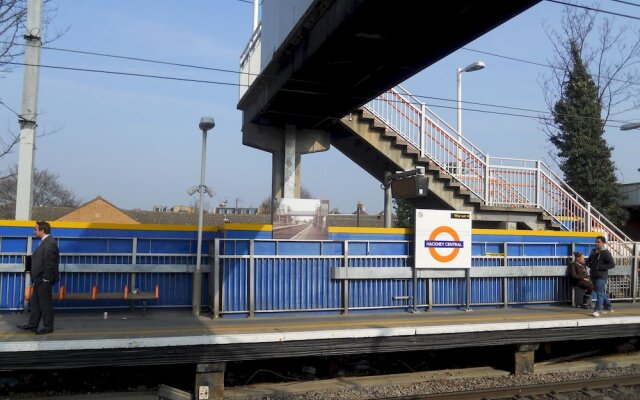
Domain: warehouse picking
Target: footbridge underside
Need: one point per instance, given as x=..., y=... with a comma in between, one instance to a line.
x=341, y=54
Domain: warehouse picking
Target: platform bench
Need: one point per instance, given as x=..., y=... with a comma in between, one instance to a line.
x=94, y=294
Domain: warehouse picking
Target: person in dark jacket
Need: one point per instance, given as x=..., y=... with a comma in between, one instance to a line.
x=600, y=261
x=45, y=261
x=580, y=278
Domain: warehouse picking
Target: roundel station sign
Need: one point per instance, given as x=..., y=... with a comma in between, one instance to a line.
x=443, y=239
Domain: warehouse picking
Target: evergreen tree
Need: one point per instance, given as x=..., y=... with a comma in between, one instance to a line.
x=585, y=156
x=405, y=212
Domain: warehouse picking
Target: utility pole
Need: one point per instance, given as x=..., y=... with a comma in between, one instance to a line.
x=27, y=119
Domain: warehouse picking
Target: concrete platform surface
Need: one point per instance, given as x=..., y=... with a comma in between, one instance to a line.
x=127, y=328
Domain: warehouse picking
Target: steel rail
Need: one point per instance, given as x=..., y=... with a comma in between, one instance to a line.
x=529, y=390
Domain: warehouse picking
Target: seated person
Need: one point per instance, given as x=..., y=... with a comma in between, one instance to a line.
x=580, y=277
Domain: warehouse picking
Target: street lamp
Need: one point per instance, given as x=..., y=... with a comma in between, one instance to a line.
x=206, y=123
x=630, y=126
x=476, y=66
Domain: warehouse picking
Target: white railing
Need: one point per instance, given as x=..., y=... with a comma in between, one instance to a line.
x=502, y=182
x=250, y=61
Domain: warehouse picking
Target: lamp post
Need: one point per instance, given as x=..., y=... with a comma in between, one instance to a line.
x=476, y=66
x=630, y=126
x=206, y=123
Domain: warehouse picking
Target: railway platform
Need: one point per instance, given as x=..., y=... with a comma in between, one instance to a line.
x=178, y=337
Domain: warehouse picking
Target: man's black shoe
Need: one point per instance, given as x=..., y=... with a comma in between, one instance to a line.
x=26, y=327
x=43, y=331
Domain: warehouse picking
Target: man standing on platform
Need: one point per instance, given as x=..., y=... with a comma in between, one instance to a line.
x=44, y=273
x=600, y=261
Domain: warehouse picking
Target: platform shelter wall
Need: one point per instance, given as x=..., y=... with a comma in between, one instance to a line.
x=355, y=270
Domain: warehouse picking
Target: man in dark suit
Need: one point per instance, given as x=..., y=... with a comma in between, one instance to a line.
x=44, y=273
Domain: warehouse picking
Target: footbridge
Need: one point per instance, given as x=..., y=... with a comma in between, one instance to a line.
x=331, y=80
x=311, y=62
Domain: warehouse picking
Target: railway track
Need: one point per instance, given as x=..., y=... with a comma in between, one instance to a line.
x=590, y=387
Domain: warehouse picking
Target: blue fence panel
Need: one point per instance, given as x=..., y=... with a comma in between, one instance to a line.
x=13, y=244
x=238, y=247
x=486, y=290
x=378, y=293
x=538, y=289
x=296, y=284
x=175, y=288
x=449, y=291
x=235, y=285
x=12, y=290
x=11, y=259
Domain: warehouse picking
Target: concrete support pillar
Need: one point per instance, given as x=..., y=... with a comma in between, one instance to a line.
x=387, y=201
x=289, y=165
x=277, y=176
x=278, y=173
x=511, y=225
x=209, y=381
x=524, y=358
x=287, y=147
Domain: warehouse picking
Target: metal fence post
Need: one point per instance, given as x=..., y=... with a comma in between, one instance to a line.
x=214, y=277
x=415, y=288
x=571, y=292
x=467, y=276
x=505, y=280
x=430, y=296
x=27, y=279
x=345, y=282
x=487, y=180
x=538, y=183
x=134, y=261
x=423, y=140
x=252, y=283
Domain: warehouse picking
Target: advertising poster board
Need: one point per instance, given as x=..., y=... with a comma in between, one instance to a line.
x=300, y=219
x=443, y=239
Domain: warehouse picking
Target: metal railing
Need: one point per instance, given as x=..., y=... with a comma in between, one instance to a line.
x=113, y=263
x=497, y=181
x=362, y=275
x=250, y=276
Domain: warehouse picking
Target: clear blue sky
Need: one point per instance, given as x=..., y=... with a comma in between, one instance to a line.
x=135, y=141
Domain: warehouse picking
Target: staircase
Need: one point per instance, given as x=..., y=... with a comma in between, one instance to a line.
x=397, y=132
x=375, y=147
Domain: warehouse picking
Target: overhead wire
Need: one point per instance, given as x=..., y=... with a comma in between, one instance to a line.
x=139, y=59
x=172, y=78
x=235, y=72
x=594, y=9
x=103, y=71
x=9, y=108
x=626, y=2
x=543, y=65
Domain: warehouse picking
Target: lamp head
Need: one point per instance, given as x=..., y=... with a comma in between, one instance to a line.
x=474, y=67
x=207, y=123
x=630, y=126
